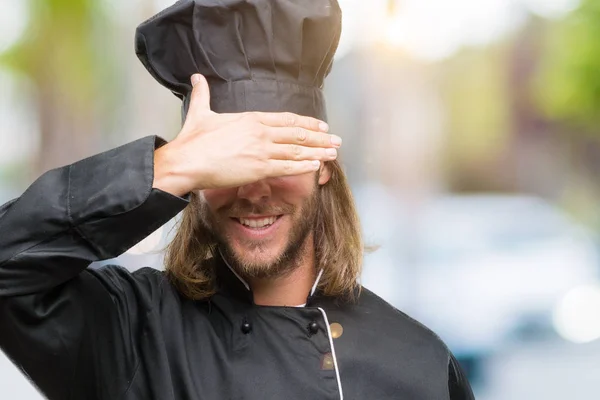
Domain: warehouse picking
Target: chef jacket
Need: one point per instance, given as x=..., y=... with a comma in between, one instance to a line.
x=110, y=334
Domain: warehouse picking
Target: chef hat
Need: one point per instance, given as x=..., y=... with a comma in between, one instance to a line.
x=257, y=55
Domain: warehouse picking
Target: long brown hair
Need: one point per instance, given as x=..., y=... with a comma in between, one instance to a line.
x=337, y=238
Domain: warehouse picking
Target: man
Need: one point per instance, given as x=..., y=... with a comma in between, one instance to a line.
x=260, y=298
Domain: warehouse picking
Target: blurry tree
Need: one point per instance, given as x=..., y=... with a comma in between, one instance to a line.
x=59, y=53
x=568, y=88
x=475, y=87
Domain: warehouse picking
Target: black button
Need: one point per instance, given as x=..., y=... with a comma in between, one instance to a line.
x=313, y=328
x=246, y=327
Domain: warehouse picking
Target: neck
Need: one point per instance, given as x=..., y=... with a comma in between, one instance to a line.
x=293, y=288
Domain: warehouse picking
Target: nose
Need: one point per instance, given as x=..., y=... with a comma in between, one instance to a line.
x=255, y=192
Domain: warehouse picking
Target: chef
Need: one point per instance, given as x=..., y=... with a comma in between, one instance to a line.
x=259, y=297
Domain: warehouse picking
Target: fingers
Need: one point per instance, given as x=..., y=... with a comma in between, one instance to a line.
x=296, y=152
x=200, y=99
x=292, y=120
x=278, y=168
x=302, y=136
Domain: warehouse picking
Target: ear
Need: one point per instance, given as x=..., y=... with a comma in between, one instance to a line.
x=324, y=173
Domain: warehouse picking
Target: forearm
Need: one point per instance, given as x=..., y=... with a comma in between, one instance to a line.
x=94, y=209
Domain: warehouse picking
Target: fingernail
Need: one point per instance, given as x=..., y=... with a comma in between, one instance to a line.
x=331, y=152
x=336, y=140
x=324, y=126
x=316, y=164
x=195, y=79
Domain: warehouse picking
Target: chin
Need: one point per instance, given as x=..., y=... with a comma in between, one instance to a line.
x=257, y=258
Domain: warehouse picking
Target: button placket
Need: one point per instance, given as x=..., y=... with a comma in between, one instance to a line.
x=335, y=364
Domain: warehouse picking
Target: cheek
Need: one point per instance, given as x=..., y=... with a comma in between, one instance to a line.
x=294, y=187
x=217, y=198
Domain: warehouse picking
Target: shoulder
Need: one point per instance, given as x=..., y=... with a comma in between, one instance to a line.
x=399, y=326
x=383, y=309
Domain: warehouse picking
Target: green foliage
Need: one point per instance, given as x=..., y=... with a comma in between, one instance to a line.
x=568, y=86
x=474, y=87
x=58, y=47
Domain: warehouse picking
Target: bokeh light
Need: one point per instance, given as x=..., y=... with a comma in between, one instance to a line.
x=13, y=22
x=577, y=315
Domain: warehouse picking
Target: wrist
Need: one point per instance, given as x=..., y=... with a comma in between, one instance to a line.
x=168, y=174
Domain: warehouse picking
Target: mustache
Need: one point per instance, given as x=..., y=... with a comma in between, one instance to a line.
x=246, y=208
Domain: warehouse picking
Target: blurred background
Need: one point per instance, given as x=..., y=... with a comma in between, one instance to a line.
x=471, y=139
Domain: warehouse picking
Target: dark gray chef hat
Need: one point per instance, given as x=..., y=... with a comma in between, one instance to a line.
x=257, y=55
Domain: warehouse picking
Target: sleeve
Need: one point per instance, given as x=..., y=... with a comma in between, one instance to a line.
x=67, y=327
x=458, y=385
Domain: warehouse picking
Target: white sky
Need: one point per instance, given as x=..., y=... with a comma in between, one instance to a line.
x=427, y=29
x=435, y=29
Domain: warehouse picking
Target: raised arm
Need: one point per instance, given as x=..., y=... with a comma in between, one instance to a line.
x=92, y=210
x=57, y=319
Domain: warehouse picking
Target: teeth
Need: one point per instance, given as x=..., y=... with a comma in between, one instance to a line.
x=258, y=223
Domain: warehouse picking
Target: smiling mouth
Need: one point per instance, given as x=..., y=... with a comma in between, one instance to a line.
x=258, y=223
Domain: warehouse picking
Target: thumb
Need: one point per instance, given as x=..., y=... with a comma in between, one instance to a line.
x=200, y=99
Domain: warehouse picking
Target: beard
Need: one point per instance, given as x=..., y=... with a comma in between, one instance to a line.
x=255, y=261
